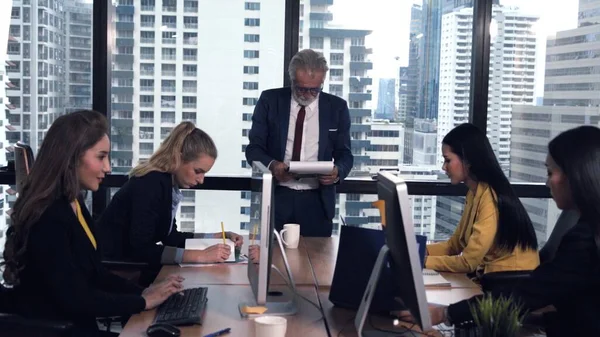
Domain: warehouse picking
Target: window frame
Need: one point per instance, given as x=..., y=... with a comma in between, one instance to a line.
x=103, y=32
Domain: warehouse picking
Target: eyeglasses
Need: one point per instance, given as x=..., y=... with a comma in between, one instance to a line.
x=313, y=91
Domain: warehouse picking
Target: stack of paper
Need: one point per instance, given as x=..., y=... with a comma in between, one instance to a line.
x=432, y=278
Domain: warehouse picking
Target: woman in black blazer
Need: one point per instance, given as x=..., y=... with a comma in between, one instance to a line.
x=571, y=280
x=50, y=257
x=142, y=213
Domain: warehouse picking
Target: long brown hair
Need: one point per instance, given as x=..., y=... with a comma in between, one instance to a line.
x=185, y=143
x=52, y=177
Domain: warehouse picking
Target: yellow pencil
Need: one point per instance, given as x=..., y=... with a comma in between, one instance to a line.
x=223, y=231
x=253, y=234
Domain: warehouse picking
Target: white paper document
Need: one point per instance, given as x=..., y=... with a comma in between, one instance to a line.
x=311, y=167
x=432, y=278
x=205, y=243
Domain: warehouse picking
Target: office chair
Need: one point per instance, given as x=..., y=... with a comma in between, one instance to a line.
x=14, y=325
x=501, y=282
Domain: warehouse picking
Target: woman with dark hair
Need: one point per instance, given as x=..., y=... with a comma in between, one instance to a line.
x=571, y=280
x=494, y=232
x=50, y=256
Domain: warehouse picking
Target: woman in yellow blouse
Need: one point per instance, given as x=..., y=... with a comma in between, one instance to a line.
x=494, y=232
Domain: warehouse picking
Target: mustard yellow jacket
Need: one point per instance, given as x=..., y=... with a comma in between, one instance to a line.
x=472, y=244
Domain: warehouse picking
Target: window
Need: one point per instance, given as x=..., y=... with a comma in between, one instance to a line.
x=251, y=38
x=316, y=42
x=252, y=22
x=250, y=70
x=249, y=101
x=336, y=59
x=252, y=6
x=251, y=54
x=250, y=85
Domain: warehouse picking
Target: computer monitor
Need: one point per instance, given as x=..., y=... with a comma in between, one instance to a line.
x=401, y=252
x=261, y=229
x=261, y=239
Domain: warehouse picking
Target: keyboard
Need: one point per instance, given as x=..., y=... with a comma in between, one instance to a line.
x=183, y=310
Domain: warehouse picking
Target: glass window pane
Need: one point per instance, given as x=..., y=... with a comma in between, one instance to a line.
x=181, y=71
x=546, y=67
x=404, y=95
x=45, y=75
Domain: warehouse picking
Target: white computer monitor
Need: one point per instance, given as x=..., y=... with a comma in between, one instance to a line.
x=401, y=252
x=261, y=230
x=261, y=237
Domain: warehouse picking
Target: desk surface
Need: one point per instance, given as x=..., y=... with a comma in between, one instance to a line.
x=222, y=312
x=228, y=286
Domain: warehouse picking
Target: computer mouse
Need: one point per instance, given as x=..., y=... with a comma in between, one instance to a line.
x=163, y=330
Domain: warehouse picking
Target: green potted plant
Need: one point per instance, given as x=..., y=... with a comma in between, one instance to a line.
x=495, y=317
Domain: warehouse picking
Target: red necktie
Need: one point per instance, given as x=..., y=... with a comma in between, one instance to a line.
x=298, y=134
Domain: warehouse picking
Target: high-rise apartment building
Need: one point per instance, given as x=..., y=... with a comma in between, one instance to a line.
x=512, y=73
x=5, y=14
x=571, y=99
x=511, y=82
x=170, y=66
x=348, y=77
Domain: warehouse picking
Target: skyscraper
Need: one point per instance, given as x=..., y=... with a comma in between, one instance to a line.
x=170, y=65
x=386, y=99
x=571, y=99
x=511, y=82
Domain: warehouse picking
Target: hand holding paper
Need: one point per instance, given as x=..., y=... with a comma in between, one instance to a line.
x=329, y=179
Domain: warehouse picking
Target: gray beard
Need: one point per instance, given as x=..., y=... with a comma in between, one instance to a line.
x=301, y=100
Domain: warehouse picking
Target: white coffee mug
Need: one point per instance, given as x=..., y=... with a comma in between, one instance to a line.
x=270, y=326
x=290, y=235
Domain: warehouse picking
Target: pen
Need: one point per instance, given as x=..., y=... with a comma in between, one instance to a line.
x=223, y=231
x=219, y=333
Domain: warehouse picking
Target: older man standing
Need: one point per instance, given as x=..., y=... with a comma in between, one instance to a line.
x=302, y=123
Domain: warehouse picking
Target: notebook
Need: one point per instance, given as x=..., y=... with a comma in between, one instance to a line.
x=432, y=278
x=205, y=243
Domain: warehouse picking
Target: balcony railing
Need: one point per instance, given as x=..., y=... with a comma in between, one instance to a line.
x=190, y=57
x=190, y=25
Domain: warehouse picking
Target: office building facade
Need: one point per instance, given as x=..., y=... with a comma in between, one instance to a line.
x=571, y=98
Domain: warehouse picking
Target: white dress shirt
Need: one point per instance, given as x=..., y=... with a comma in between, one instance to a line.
x=310, y=142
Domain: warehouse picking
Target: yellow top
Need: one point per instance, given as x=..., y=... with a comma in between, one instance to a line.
x=84, y=224
x=472, y=244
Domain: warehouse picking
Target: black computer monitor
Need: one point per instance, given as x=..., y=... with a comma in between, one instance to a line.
x=402, y=254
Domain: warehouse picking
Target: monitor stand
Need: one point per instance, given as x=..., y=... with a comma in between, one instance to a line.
x=365, y=304
x=274, y=307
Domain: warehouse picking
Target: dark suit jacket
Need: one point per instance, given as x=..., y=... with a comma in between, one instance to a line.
x=63, y=277
x=138, y=217
x=570, y=282
x=270, y=123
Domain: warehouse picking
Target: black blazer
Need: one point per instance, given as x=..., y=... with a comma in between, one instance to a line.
x=570, y=282
x=270, y=124
x=63, y=277
x=138, y=217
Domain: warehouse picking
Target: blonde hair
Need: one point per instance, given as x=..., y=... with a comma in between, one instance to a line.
x=185, y=143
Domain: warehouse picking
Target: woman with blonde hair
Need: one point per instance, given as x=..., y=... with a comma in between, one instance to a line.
x=142, y=213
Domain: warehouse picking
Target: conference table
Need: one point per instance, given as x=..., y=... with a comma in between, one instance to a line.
x=312, y=266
